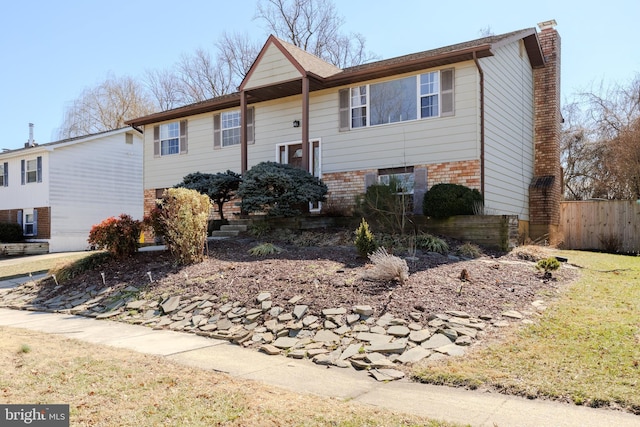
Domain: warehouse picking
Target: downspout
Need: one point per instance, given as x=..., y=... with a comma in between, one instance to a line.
x=481, y=73
x=243, y=133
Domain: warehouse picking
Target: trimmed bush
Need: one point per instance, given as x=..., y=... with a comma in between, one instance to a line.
x=220, y=187
x=10, y=233
x=445, y=200
x=279, y=190
x=118, y=236
x=184, y=214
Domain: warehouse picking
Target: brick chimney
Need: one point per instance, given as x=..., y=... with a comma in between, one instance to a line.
x=545, y=190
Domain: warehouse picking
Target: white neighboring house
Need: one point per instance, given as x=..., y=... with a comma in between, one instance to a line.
x=59, y=190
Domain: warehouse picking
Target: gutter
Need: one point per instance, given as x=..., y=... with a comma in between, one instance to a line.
x=481, y=73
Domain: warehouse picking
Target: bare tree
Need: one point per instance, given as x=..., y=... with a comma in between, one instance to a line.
x=164, y=87
x=614, y=114
x=238, y=52
x=105, y=107
x=314, y=26
x=202, y=77
x=601, y=143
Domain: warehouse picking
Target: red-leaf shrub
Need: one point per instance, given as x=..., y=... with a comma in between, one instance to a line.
x=119, y=236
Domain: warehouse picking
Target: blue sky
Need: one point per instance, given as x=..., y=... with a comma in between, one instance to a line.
x=51, y=51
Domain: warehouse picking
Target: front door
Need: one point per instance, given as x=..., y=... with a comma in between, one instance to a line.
x=292, y=154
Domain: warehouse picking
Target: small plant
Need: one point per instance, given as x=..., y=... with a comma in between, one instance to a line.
x=365, y=242
x=610, y=243
x=259, y=228
x=429, y=243
x=25, y=348
x=548, y=265
x=265, y=249
x=469, y=250
x=387, y=267
x=119, y=236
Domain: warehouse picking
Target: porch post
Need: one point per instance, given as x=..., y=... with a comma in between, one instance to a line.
x=305, y=123
x=243, y=132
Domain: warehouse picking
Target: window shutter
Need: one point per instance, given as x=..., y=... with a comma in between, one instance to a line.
x=369, y=180
x=419, y=189
x=22, y=163
x=39, y=172
x=216, y=132
x=446, y=85
x=19, y=217
x=156, y=141
x=250, y=127
x=344, y=110
x=35, y=222
x=183, y=137
x=6, y=174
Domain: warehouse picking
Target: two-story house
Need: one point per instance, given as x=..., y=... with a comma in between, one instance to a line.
x=57, y=191
x=483, y=113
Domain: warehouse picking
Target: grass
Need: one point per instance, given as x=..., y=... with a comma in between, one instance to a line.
x=37, y=264
x=106, y=386
x=585, y=348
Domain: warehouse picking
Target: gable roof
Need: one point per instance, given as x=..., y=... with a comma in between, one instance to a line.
x=323, y=75
x=50, y=146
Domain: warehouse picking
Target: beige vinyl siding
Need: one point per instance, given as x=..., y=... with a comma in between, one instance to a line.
x=273, y=67
x=508, y=131
x=167, y=171
x=422, y=141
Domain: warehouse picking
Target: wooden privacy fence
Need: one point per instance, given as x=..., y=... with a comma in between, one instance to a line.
x=611, y=225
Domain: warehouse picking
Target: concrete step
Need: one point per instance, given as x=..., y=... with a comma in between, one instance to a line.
x=234, y=227
x=225, y=233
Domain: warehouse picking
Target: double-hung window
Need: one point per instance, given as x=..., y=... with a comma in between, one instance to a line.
x=230, y=127
x=4, y=174
x=28, y=224
x=409, y=98
x=227, y=129
x=31, y=170
x=358, y=106
x=170, y=138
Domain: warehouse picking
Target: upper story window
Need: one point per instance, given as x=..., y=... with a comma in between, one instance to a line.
x=170, y=138
x=226, y=128
x=230, y=127
x=358, y=106
x=409, y=98
x=31, y=170
x=4, y=174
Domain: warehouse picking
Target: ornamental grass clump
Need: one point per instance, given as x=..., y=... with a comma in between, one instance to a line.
x=387, y=267
x=118, y=236
x=265, y=249
x=429, y=243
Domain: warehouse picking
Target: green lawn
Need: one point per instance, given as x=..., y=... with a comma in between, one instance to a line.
x=585, y=348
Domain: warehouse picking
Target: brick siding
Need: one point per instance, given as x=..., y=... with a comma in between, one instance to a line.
x=545, y=192
x=44, y=221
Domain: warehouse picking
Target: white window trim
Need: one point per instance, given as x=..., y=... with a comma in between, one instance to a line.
x=418, y=101
x=311, y=158
x=168, y=138
x=223, y=128
x=26, y=212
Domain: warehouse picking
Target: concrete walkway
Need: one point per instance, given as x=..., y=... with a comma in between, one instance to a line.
x=451, y=404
